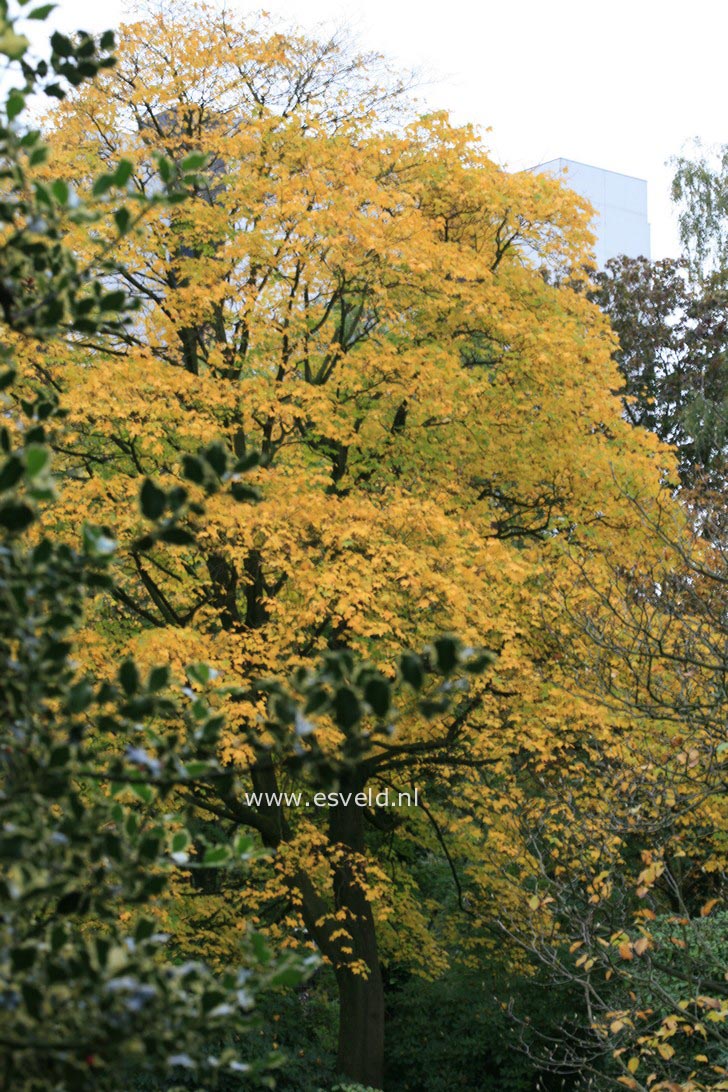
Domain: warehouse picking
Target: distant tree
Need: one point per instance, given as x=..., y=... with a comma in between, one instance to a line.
x=673, y=354
x=700, y=192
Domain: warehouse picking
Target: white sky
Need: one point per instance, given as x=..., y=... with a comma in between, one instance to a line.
x=621, y=84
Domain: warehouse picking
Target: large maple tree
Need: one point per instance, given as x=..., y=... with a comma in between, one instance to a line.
x=354, y=300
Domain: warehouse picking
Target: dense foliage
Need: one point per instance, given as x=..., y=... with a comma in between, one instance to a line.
x=320, y=383
x=673, y=344
x=93, y=993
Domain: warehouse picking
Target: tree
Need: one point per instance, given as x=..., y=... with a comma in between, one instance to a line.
x=350, y=311
x=672, y=353
x=700, y=193
x=631, y=876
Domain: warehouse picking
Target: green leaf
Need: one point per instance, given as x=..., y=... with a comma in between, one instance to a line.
x=145, y=928
x=149, y=845
x=316, y=700
x=479, y=661
x=113, y=301
x=347, y=710
x=23, y=958
x=180, y=841
x=165, y=168
x=14, y=103
x=446, y=653
x=215, y=856
x=260, y=948
x=122, y=218
x=412, y=669
x=216, y=456
x=177, y=536
x=80, y=697
x=58, y=937
x=243, y=492
x=61, y=45
x=193, y=770
x=433, y=707
x=201, y=673
x=287, y=976
x=41, y=12
x=378, y=695
x=11, y=473
x=60, y=191
x=176, y=497
x=123, y=172
x=16, y=517
x=39, y=155
x=102, y=185
x=152, y=500
x=193, y=469
x=129, y=677
x=13, y=45
x=158, y=678
x=247, y=462
x=243, y=845
x=59, y=756
x=194, y=162
x=143, y=792
x=32, y=996
x=36, y=459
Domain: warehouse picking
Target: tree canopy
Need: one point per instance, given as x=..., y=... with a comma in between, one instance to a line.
x=347, y=416
x=672, y=353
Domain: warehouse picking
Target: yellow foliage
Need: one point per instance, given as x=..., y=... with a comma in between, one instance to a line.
x=362, y=304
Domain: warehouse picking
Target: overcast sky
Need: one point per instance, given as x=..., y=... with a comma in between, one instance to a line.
x=621, y=84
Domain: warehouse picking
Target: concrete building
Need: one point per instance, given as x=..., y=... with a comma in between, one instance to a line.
x=621, y=225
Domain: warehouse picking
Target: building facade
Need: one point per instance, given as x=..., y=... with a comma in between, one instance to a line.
x=620, y=203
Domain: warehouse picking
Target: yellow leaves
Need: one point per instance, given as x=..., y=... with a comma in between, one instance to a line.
x=339, y=934
x=600, y=888
x=628, y=949
x=708, y=906
x=648, y=876
x=359, y=968
x=335, y=301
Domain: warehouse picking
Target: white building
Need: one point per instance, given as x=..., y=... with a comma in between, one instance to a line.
x=620, y=201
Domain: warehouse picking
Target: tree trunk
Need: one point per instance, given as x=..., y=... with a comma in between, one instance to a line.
x=361, y=999
x=361, y=996
x=361, y=1017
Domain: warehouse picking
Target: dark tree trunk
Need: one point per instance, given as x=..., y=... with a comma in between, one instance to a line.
x=361, y=999
x=188, y=337
x=361, y=1009
x=361, y=996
